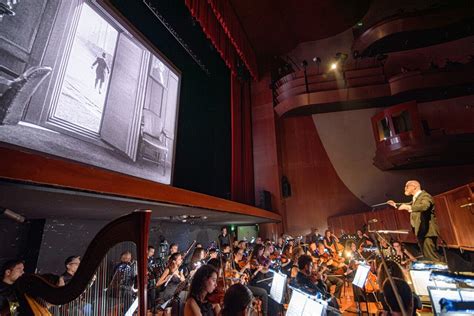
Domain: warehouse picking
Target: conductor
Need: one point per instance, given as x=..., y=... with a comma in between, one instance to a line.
x=422, y=218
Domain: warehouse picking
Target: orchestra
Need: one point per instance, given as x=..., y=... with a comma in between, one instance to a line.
x=204, y=282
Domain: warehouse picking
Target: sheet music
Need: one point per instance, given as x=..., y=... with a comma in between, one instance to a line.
x=278, y=287
x=361, y=275
x=313, y=308
x=297, y=303
x=132, y=308
x=421, y=281
x=467, y=295
x=437, y=294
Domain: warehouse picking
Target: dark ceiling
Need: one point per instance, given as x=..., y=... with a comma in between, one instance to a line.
x=274, y=27
x=33, y=201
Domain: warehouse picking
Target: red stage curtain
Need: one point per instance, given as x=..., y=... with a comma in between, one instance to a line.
x=222, y=27
x=242, y=181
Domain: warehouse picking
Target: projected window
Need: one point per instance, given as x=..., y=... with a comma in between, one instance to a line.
x=106, y=99
x=84, y=87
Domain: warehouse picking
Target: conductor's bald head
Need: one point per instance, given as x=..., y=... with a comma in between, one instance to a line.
x=411, y=187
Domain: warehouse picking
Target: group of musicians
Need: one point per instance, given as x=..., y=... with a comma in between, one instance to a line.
x=237, y=275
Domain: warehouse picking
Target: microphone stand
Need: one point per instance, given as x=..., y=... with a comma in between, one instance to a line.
x=389, y=276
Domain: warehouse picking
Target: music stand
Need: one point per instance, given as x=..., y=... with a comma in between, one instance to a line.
x=358, y=287
x=302, y=303
x=277, y=290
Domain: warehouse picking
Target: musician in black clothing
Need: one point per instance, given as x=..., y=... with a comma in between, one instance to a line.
x=224, y=237
x=151, y=291
x=71, y=264
x=303, y=278
x=11, y=271
x=125, y=275
x=304, y=282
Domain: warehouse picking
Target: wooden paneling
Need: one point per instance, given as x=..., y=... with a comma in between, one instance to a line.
x=22, y=165
x=265, y=150
x=317, y=190
x=462, y=217
x=455, y=223
x=444, y=221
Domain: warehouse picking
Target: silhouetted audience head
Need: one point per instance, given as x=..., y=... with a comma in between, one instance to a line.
x=304, y=261
x=394, y=269
x=405, y=293
x=237, y=301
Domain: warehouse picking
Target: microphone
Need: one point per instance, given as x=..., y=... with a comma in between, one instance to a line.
x=373, y=220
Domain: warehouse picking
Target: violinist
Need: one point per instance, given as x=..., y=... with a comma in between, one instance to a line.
x=242, y=268
x=197, y=260
x=204, y=282
x=353, y=253
x=297, y=253
x=242, y=245
x=306, y=281
x=259, y=265
x=170, y=279
x=385, y=247
x=312, y=250
x=279, y=245
x=401, y=255
x=226, y=252
x=212, y=254
x=334, y=264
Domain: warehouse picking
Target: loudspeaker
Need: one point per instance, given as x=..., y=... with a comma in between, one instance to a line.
x=285, y=187
x=266, y=200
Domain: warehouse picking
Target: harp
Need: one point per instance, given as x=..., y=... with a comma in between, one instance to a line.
x=133, y=227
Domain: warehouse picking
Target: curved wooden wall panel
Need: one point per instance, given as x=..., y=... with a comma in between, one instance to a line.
x=422, y=21
x=454, y=216
x=317, y=190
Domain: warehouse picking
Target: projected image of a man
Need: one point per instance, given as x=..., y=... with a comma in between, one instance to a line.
x=100, y=71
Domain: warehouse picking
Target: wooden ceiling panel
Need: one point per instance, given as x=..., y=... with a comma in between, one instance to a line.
x=274, y=27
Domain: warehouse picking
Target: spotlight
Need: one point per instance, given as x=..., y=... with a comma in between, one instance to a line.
x=12, y=215
x=317, y=60
x=333, y=66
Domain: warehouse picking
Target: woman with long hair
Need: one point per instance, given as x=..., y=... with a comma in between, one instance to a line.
x=237, y=301
x=170, y=279
x=204, y=282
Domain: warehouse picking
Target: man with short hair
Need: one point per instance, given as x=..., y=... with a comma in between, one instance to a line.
x=72, y=264
x=224, y=238
x=11, y=271
x=422, y=218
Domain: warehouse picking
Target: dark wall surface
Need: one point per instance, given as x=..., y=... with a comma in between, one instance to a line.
x=202, y=160
x=64, y=238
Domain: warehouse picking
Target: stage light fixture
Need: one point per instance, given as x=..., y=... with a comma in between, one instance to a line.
x=333, y=66
x=12, y=215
